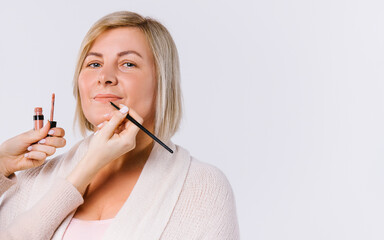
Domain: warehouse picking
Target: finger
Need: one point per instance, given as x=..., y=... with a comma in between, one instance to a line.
x=48, y=150
x=56, y=132
x=31, y=163
x=130, y=132
x=131, y=129
x=136, y=116
x=108, y=116
x=98, y=127
x=121, y=127
x=117, y=118
x=36, y=135
x=57, y=142
x=36, y=155
x=101, y=125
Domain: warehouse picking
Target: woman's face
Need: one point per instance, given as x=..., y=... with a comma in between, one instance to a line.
x=119, y=68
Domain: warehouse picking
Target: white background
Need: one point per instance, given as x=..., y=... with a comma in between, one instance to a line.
x=285, y=97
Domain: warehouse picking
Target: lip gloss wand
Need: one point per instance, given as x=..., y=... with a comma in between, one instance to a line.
x=51, y=122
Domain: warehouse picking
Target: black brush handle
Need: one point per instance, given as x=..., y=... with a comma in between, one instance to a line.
x=144, y=129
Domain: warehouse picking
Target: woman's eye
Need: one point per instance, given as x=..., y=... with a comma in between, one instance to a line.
x=94, y=65
x=128, y=64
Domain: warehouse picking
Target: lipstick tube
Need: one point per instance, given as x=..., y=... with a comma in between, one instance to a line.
x=38, y=118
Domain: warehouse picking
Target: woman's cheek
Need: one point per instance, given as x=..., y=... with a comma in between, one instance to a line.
x=84, y=89
x=83, y=80
x=145, y=104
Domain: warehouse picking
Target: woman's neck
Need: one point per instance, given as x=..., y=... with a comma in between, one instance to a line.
x=136, y=158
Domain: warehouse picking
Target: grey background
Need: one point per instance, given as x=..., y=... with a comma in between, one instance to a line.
x=285, y=97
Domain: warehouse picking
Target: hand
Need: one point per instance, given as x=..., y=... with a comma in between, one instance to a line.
x=20, y=152
x=112, y=139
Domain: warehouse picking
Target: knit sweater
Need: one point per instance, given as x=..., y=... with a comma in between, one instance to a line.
x=175, y=197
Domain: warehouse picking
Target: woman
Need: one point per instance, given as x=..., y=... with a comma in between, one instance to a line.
x=117, y=183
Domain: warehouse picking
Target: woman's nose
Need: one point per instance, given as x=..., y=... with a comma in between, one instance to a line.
x=107, y=76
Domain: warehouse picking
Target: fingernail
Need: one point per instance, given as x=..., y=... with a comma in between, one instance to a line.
x=106, y=115
x=124, y=110
x=51, y=132
x=26, y=155
x=101, y=124
x=96, y=132
x=29, y=148
x=42, y=141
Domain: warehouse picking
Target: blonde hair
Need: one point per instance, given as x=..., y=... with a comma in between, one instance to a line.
x=168, y=94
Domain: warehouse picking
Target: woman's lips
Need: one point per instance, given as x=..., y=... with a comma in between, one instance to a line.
x=106, y=98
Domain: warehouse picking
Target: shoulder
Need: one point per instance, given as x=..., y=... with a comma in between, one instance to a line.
x=206, y=206
x=202, y=176
x=208, y=185
x=207, y=175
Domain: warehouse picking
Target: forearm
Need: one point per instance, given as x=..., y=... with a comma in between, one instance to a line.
x=6, y=182
x=3, y=170
x=46, y=215
x=82, y=175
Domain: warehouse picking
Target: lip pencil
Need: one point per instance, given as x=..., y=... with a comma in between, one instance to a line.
x=144, y=129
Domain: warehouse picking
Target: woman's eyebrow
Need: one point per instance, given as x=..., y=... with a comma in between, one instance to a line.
x=94, y=54
x=129, y=52
x=119, y=54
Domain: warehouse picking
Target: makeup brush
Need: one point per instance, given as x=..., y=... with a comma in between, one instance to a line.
x=144, y=129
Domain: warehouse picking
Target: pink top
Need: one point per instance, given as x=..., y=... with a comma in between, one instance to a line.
x=84, y=229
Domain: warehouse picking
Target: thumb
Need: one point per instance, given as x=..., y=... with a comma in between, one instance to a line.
x=36, y=135
x=117, y=118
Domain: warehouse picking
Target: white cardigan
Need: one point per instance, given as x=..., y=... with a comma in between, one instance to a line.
x=175, y=197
